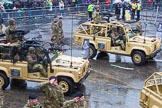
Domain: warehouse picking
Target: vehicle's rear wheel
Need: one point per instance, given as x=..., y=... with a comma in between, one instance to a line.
x=138, y=58
x=66, y=84
x=4, y=80
x=93, y=51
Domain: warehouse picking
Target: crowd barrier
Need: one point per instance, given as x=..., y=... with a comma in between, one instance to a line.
x=41, y=12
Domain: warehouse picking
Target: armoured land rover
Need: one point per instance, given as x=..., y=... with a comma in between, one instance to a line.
x=70, y=71
x=151, y=94
x=140, y=48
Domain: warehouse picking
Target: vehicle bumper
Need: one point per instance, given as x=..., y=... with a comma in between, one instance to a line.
x=85, y=77
x=155, y=52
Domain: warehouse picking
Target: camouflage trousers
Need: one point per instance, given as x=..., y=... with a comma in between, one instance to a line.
x=121, y=43
x=40, y=68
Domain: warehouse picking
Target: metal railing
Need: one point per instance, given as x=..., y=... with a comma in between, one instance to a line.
x=41, y=12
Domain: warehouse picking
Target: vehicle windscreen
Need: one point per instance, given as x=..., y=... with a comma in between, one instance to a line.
x=131, y=34
x=51, y=51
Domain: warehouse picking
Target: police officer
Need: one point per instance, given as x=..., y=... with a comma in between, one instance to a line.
x=11, y=38
x=133, y=9
x=33, y=102
x=96, y=15
x=138, y=10
x=90, y=10
x=53, y=93
x=139, y=27
x=1, y=97
x=78, y=101
x=33, y=62
x=55, y=31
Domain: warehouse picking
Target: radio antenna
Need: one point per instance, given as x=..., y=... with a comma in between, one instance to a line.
x=71, y=64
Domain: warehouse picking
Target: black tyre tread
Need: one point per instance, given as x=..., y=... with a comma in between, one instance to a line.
x=70, y=83
x=6, y=80
x=94, y=51
x=143, y=57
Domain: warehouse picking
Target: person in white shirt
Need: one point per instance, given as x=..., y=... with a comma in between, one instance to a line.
x=61, y=6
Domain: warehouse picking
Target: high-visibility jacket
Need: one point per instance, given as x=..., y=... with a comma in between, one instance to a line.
x=133, y=6
x=138, y=6
x=90, y=8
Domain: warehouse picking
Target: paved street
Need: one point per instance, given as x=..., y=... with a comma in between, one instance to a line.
x=108, y=86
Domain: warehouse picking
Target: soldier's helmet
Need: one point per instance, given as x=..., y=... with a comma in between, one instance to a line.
x=114, y=28
x=31, y=50
x=12, y=21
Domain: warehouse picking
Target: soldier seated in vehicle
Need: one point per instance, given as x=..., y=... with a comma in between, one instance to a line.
x=33, y=62
x=117, y=39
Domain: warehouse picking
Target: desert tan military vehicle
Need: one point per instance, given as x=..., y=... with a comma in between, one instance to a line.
x=151, y=94
x=70, y=71
x=140, y=48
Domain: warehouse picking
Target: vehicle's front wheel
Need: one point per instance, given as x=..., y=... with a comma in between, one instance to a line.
x=4, y=80
x=93, y=51
x=67, y=85
x=138, y=58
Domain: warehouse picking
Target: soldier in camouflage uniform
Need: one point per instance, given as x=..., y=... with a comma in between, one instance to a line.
x=77, y=102
x=139, y=27
x=96, y=15
x=1, y=97
x=116, y=40
x=33, y=62
x=11, y=38
x=61, y=33
x=33, y=102
x=53, y=93
x=55, y=31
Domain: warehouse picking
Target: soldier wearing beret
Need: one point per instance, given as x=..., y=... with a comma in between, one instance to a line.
x=33, y=102
x=77, y=102
x=53, y=93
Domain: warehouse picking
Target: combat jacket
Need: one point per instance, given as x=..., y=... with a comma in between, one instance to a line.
x=83, y=104
x=1, y=98
x=54, y=95
x=11, y=37
x=70, y=104
x=31, y=106
x=97, y=17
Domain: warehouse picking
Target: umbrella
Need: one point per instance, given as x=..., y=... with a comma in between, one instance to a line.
x=8, y=2
x=116, y=1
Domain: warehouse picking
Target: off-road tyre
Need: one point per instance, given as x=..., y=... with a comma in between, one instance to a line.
x=67, y=85
x=93, y=51
x=138, y=58
x=4, y=80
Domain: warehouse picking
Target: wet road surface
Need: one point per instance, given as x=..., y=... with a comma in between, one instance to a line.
x=108, y=86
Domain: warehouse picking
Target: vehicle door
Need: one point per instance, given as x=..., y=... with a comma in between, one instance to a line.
x=102, y=41
x=11, y=59
x=38, y=68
